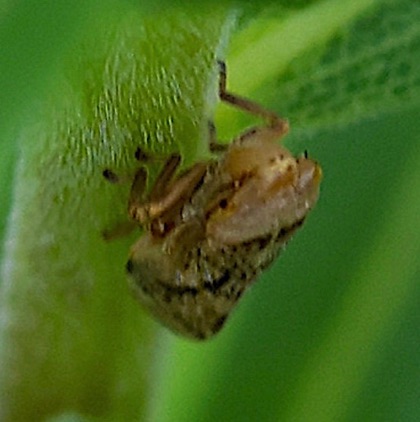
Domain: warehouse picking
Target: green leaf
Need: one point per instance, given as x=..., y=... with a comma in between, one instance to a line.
x=72, y=337
x=330, y=332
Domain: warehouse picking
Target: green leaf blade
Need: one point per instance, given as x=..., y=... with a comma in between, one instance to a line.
x=71, y=333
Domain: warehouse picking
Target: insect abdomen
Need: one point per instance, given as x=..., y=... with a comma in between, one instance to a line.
x=195, y=296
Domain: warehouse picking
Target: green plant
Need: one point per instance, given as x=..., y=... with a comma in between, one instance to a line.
x=330, y=331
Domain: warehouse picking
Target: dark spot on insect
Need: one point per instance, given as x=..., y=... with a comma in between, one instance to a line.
x=219, y=323
x=129, y=267
x=218, y=283
x=295, y=225
x=223, y=203
x=199, y=184
x=248, y=133
x=244, y=276
x=239, y=294
x=222, y=280
x=140, y=155
x=200, y=336
x=299, y=223
x=110, y=176
x=263, y=242
x=187, y=290
x=285, y=231
x=289, y=168
x=145, y=289
x=167, y=298
x=177, y=290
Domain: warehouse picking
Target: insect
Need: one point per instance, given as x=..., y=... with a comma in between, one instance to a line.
x=211, y=230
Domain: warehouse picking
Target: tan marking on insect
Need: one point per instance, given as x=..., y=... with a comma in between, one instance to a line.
x=211, y=230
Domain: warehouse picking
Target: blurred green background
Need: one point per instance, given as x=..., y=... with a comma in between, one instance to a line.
x=330, y=332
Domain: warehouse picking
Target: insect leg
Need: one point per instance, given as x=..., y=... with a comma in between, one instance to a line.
x=214, y=144
x=166, y=192
x=165, y=177
x=278, y=125
x=138, y=187
x=177, y=192
x=122, y=229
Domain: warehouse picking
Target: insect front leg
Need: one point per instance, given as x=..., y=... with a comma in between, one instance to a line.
x=167, y=194
x=143, y=209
